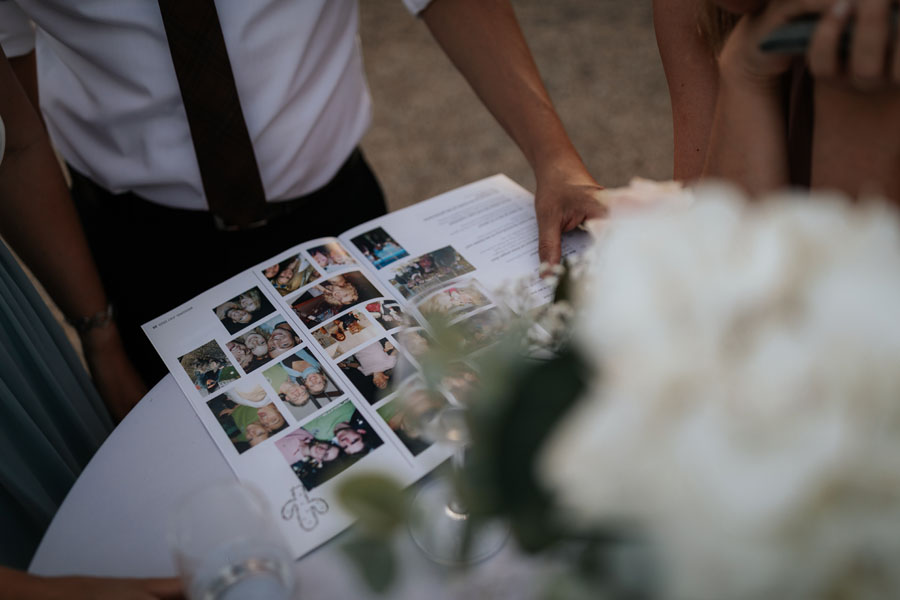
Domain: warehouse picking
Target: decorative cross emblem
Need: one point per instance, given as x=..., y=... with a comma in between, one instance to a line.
x=305, y=509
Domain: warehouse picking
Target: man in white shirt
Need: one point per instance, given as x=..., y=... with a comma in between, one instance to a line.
x=111, y=101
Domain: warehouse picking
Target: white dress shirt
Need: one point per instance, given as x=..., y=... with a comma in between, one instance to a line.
x=351, y=341
x=113, y=107
x=373, y=359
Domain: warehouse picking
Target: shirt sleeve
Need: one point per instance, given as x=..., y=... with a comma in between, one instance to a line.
x=416, y=6
x=16, y=30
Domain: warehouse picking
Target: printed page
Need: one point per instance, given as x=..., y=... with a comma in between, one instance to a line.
x=294, y=368
x=452, y=257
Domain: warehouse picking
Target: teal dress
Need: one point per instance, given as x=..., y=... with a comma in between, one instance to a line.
x=52, y=419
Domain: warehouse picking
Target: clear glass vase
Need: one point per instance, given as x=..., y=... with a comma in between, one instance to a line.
x=439, y=522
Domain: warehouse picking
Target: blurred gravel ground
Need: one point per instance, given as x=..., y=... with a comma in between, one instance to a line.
x=599, y=62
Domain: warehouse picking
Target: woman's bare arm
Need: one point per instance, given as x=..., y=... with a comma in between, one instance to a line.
x=692, y=77
x=38, y=220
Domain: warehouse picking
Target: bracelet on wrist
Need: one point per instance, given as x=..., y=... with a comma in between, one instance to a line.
x=85, y=324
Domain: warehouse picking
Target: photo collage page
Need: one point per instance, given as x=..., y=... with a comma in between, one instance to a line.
x=305, y=368
x=298, y=366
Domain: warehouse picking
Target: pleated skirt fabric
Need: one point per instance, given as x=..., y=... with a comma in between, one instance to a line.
x=51, y=418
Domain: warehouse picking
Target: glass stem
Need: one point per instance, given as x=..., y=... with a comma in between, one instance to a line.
x=457, y=462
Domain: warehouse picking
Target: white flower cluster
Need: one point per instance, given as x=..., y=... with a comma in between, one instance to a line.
x=746, y=412
x=639, y=195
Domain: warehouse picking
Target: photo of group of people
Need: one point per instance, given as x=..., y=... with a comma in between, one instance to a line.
x=330, y=256
x=208, y=368
x=371, y=369
x=245, y=425
x=302, y=384
x=388, y=314
x=452, y=302
x=244, y=309
x=264, y=342
x=406, y=415
x=291, y=274
x=345, y=333
x=428, y=271
x=328, y=444
x=379, y=247
x=332, y=296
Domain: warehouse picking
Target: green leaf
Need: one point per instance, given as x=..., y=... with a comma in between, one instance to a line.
x=374, y=561
x=524, y=400
x=572, y=586
x=378, y=502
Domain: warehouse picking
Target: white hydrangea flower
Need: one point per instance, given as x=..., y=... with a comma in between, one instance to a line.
x=639, y=195
x=747, y=407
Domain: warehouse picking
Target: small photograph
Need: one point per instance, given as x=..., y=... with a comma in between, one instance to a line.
x=371, y=369
x=405, y=415
x=208, y=368
x=291, y=274
x=328, y=444
x=415, y=341
x=302, y=384
x=345, y=333
x=388, y=314
x=242, y=310
x=332, y=296
x=246, y=426
x=460, y=381
x=263, y=343
x=330, y=257
x=453, y=302
x=481, y=329
x=429, y=270
x=379, y=247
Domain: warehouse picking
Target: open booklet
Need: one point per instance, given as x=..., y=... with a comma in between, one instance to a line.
x=295, y=366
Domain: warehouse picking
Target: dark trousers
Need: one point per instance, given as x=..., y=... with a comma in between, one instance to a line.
x=153, y=258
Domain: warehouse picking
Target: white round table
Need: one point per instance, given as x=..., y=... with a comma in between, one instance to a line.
x=113, y=521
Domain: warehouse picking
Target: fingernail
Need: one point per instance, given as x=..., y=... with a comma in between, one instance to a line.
x=841, y=8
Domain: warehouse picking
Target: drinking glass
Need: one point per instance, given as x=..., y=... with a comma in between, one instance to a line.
x=439, y=520
x=227, y=547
